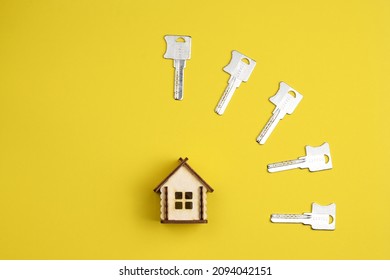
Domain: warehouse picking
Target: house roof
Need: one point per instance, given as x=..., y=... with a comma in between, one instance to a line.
x=183, y=162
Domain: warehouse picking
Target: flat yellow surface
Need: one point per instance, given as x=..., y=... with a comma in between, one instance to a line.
x=89, y=126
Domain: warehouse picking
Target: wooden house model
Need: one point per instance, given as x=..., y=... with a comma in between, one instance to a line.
x=183, y=196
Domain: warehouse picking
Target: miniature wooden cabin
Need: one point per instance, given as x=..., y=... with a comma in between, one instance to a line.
x=183, y=196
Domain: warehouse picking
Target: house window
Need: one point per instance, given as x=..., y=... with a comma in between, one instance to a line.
x=183, y=200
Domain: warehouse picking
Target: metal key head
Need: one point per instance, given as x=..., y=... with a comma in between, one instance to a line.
x=287, y=98
x=318, y=158
x=178, y=47
x=240, y=66
x=323, y=217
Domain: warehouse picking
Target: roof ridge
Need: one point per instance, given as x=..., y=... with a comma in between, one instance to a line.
x=183, y=162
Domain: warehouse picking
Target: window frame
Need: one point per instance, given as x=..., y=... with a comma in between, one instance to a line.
x=185, y=200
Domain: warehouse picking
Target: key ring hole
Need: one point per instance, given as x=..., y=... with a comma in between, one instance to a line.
x=180, y=40
x=326, y=158
x=331, y=219
x=292, y=93
x=245, y=60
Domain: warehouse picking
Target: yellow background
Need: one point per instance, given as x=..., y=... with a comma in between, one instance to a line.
x=89, y=126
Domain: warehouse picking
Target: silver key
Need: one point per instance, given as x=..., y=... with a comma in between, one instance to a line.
x=321, y=217
x=240, y=68
x=316, y=159
x=286, y=100
x=178, y=49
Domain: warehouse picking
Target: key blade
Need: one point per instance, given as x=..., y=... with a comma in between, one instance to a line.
x=318, y=158
x=238, y=68
x=290, y=218
x=323, y=217
x=179, y=78
x=227, y=95
x=176, y=48
x=286, y=165
x=286, y=98
x=269, y=127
